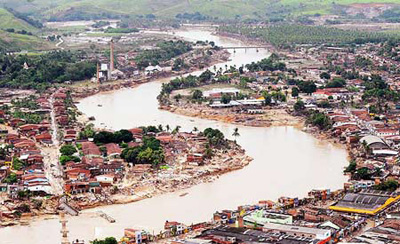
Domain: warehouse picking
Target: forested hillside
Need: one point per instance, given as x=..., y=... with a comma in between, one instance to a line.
x=75, y=9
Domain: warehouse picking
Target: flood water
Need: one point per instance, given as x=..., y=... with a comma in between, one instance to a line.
x=287, y=162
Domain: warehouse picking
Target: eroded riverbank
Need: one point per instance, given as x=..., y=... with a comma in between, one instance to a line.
x=270, y=117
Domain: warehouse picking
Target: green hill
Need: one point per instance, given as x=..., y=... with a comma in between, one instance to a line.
x=13, y=42
x=16, y=34
x=170, y=8
x=9, y=21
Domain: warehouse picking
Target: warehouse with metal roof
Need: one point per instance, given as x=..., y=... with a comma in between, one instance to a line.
x=374, y=142
x=368, y=202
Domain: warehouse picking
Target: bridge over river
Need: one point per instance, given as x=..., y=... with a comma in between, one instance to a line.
x=245, y=47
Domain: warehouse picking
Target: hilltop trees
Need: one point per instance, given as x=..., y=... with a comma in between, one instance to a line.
x=267, y=64
x=166, y=51
x=287, y=34
x=44, y=69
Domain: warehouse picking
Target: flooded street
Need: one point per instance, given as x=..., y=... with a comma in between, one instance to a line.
x=287, y=162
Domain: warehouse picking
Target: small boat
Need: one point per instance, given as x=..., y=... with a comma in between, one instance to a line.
x=183, y=194
x=91, y=118
x=99, y=105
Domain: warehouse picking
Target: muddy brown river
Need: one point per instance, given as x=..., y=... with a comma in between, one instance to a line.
x=287, y=162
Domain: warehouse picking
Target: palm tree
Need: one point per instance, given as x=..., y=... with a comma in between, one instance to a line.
x=195, y=129
x=160, y=128
x=176, y=130
x=167, y=127
x=236, y=133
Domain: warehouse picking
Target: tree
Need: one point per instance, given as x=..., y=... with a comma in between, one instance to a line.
x=130, y=154
x=320, y=120
x=307, y=86
x=123, y=136
x=64, y=159
x=18, y=164
x=236, y=133
x=176, y=130
x=152, y=142
x=12, y=178
x=88, y=132
x=68, y=150
x=226, y=98
x=295, y=92
x=179, y=64
x=205, y=76
x=389, y=185
x=336, y=83
x=150, y=152
x=150, y=128
x=51, y=67
x=197, y=94
x=299, y=106
x=215, y=137
x=278, y=96
x=351, y=168
x=362, y=174
x=325, y=76
x=104, y=137
x=178, y=97
x=208, y=153
x=267, y=97
x=108, y=240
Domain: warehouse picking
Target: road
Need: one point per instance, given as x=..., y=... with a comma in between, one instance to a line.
x=52, y=167
x=59, y=43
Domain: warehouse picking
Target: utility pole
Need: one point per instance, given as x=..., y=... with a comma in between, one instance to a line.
x=111, y=55
x=98, y=73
